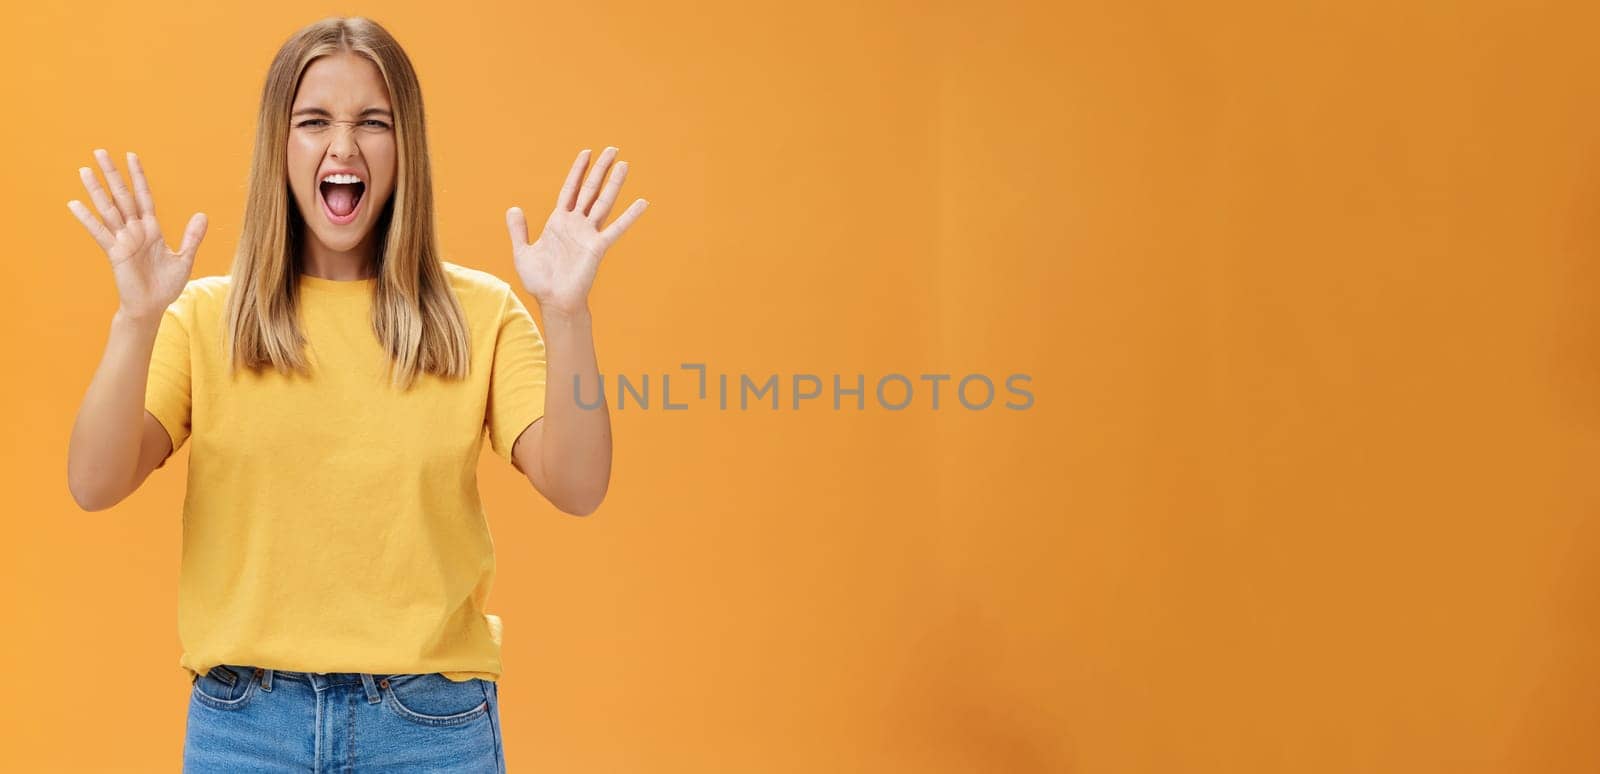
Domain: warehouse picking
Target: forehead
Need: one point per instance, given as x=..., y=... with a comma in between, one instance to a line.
x=342, y=82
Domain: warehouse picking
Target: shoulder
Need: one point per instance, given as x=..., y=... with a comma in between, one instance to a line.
x=214, y=286
x=491, y=302
x=478, y=289
x=468, y=278
x=202, y=296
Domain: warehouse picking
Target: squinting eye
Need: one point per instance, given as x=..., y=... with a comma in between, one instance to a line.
x=378, y=124
x=312, y=121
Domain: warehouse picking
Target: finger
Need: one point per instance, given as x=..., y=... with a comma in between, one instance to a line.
x=141, y=186
x=119, y=190
x=623, y=221
x=569, y=190
x=89, y=221
x=192, y=235
x=608, y=195
x=596, y=174
x=102, y=203
x=517, y=224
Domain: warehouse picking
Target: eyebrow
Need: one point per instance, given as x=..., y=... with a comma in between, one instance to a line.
x=316, y=111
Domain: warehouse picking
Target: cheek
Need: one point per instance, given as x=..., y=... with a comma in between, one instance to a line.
x=302, y=163
x=384, y=160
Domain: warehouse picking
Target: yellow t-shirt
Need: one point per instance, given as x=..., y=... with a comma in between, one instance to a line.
x=332, y=523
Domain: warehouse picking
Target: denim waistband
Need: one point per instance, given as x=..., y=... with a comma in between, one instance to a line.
x=318, y=680
x=325, y=678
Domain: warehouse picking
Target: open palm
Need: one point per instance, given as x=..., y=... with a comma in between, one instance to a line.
x=558, y=268
x=149, y=274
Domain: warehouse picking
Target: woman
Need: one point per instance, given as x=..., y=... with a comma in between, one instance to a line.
x=337, y=385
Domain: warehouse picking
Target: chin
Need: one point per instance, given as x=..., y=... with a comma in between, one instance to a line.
x=342, y=243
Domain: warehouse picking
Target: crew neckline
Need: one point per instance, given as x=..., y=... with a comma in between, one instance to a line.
x=342, y=287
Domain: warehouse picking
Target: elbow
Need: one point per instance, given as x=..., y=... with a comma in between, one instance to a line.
x=581, y=507
x=88, y=498
x=576, y=496
x=582, y=504
x=89, y=494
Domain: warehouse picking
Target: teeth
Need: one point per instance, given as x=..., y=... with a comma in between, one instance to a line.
x=341, y=178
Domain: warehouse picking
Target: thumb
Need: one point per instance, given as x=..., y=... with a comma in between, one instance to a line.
x=193, y=234
x=517, y=224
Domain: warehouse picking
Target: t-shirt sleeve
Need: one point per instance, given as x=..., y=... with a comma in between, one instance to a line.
x=517, y=383
x=167, y=392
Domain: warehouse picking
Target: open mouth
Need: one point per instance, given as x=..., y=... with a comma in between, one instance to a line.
x=341, y=201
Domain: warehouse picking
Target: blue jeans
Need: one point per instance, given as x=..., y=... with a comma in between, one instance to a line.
x=245, y=719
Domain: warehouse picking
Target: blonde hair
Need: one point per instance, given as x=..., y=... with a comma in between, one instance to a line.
x=415, y=316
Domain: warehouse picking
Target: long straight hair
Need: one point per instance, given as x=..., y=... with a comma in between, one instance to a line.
x=415, y=316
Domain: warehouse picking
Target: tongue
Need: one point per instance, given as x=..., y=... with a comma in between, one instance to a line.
x=341, y=198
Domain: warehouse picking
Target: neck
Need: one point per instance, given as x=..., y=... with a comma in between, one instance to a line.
x=319, y=260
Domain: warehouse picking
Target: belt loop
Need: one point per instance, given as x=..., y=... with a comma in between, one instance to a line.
x=266, y=679
x=373, y=697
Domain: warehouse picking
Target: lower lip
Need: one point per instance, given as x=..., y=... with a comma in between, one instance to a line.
x=335, y=219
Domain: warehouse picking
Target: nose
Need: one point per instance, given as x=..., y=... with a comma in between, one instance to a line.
x=344, y=142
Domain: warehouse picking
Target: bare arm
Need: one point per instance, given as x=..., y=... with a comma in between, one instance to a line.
x=567, y=452
x=115, y=442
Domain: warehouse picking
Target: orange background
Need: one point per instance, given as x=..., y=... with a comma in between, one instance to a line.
x=1307, y=292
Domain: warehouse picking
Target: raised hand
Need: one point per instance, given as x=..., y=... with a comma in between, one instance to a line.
x=149, y=274
x=558, y=269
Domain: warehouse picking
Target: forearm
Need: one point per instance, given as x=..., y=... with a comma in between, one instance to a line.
x=103, y=454
x=575, y=452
